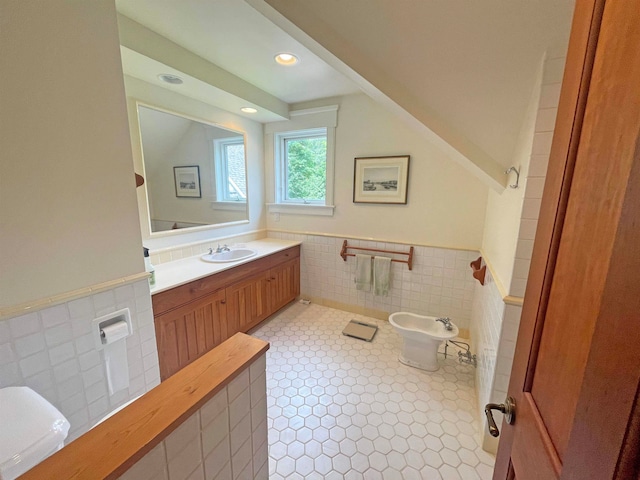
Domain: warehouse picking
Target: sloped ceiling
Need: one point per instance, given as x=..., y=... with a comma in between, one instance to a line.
x=460, y=70
x=464, y=68
x=228, y=44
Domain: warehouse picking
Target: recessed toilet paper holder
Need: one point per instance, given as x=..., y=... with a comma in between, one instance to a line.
x=99, y=324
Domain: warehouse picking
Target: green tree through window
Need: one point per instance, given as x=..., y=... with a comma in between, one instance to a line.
x=306, y=168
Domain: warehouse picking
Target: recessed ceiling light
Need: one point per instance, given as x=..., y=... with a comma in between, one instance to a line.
x=286, y=59
x=248, y=110
x=172, y=79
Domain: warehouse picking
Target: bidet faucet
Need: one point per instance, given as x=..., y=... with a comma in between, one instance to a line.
x=446, y=322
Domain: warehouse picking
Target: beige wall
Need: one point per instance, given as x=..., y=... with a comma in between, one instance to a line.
x=446, y=203
x=501, y=234
x=172, y=101
x=502, y=222
x=67, y=192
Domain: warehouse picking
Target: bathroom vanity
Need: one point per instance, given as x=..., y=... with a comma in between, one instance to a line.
x=195, y=316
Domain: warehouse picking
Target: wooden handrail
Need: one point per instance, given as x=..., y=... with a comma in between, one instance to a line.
x=110, y=448
x=346, y=246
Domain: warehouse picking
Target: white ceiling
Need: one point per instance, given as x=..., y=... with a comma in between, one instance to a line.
x=466, y=65
x=235, y=37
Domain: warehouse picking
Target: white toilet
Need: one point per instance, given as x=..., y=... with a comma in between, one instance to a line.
x=422, y=335
x=31, y=429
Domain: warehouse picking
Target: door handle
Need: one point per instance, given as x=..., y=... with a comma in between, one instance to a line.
x=508, y=408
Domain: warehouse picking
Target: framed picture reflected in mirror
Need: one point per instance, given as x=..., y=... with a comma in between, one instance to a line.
x=187, y=181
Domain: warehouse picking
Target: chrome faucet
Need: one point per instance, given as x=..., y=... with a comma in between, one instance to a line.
x=224, y=248
x=446, y=321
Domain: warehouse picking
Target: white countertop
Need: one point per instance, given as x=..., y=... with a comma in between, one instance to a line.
x=179, y=272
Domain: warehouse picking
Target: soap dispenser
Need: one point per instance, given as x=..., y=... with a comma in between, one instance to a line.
x=148, y=267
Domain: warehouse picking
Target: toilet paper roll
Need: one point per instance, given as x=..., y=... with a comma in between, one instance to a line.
x=115, y=356
x=114, y=332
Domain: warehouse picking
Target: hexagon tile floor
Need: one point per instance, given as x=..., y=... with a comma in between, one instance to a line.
x=342, y=408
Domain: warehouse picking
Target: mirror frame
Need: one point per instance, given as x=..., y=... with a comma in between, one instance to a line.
x=143, y=204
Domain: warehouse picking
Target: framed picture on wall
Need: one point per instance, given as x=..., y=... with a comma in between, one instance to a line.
x=187, y=181
x=381, y=179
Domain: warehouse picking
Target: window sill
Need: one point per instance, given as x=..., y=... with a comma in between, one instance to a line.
x=231, y=206
x=301, y=209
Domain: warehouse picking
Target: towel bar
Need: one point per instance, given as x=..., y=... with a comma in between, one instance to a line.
x=345, y=246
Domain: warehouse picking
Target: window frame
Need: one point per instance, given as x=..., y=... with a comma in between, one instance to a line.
x=221, y=168
x=308, y=119
x=282, y=164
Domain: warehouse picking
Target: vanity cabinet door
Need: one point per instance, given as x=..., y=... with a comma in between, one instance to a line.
x=190, y=331
x=284, y=283
x=247, y=303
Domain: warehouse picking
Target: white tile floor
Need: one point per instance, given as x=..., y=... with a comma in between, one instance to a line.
x=342, y=408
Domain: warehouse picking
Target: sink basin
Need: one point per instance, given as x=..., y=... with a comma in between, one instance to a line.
x=230, y=256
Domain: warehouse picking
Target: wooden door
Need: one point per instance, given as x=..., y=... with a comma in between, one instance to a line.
x=284, y=283
x=188, y=332
x=576, y=372
x=247, y=303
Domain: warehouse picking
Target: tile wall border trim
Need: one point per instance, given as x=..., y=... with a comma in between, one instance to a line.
x=370, y=239
x=506, y=298
x=510, y=300
x=42, y=303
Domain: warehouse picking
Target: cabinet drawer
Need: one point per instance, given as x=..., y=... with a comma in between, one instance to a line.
x=170, y=299
x=283, y=256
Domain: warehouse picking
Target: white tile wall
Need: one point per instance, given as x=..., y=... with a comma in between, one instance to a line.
x=494, y=333
x=486, y=325
x=543, y=135
x=53, y=352
x=225, y=439
x=494, y=324
x=440, y=283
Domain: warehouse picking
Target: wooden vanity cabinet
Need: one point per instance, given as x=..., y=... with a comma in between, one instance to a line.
x=284, y=284
x=247, y=302
x=190, y=331
x=194, y=318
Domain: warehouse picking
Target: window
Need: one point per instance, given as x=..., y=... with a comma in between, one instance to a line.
x=231, y=181
x=303, y=166
x=300, y=154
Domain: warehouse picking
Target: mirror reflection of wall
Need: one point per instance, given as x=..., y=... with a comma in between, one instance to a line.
x=170, y=141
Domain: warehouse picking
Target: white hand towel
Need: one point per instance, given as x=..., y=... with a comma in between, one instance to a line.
x=381, y=275
x=363, y=272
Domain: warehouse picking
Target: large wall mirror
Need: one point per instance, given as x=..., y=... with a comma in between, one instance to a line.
x=195, y=173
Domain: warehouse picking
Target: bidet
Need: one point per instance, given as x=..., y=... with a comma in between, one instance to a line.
x=422, y=335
